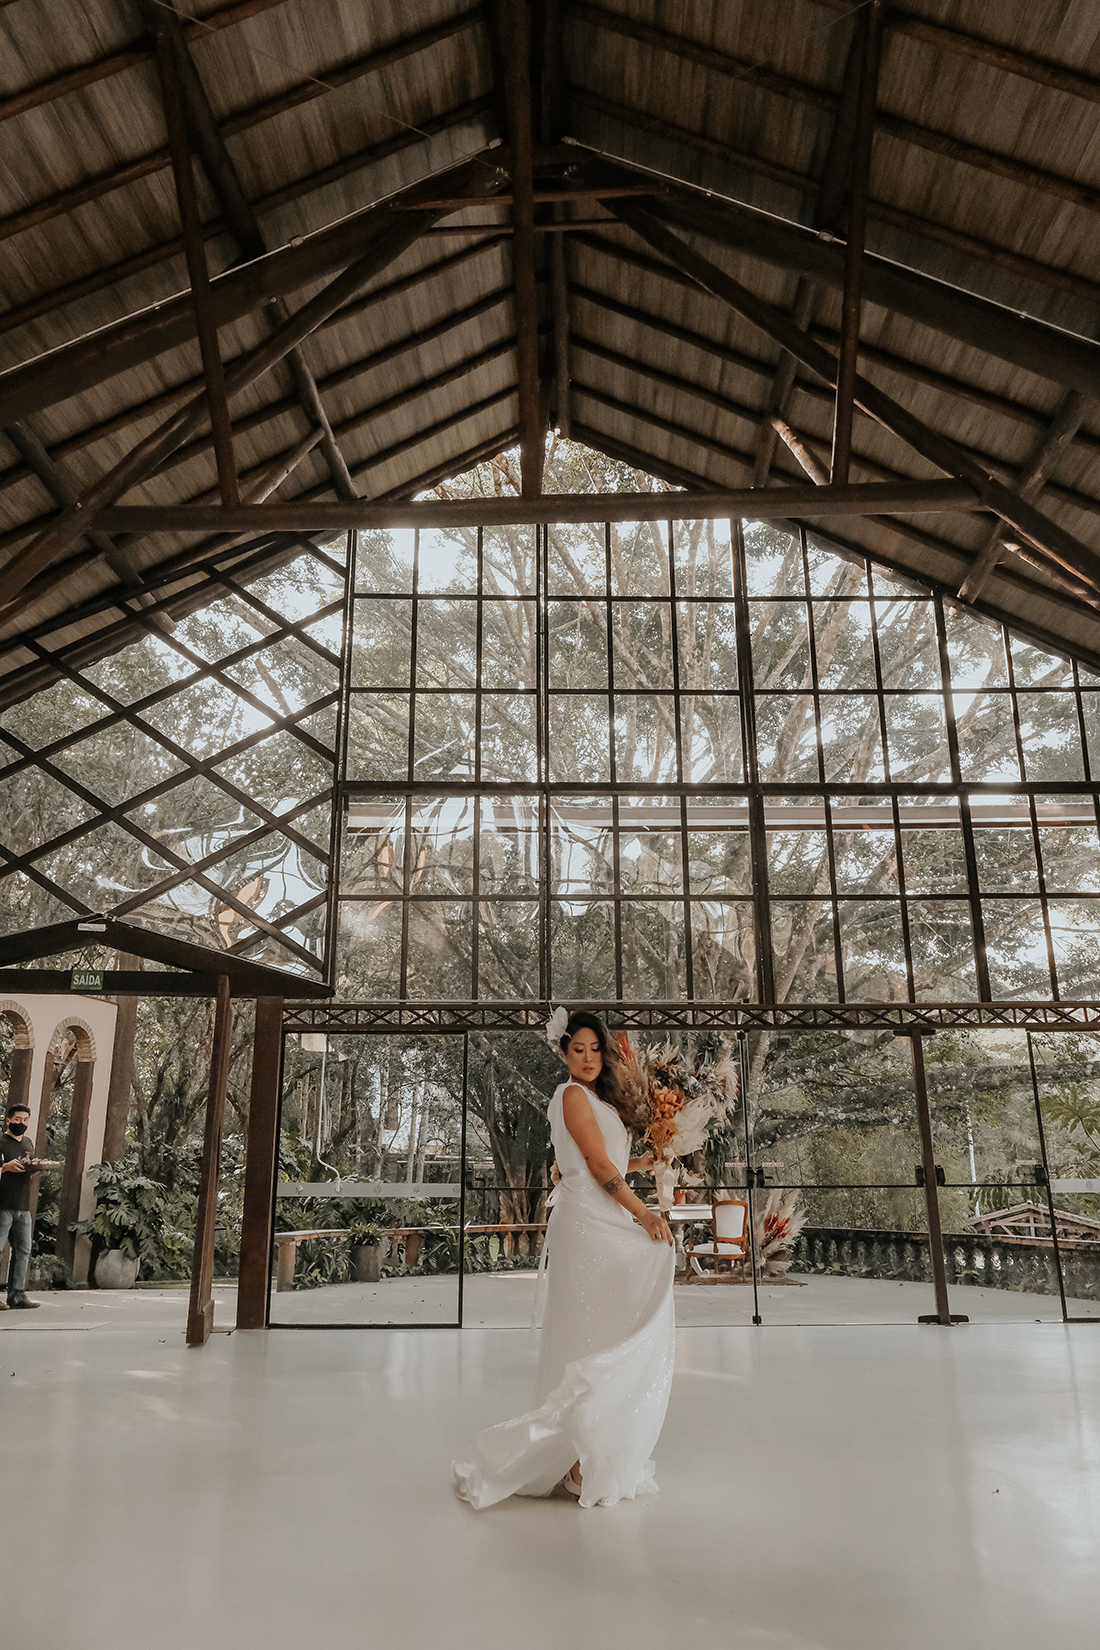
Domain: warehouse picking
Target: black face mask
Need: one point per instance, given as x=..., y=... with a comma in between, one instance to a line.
x=17, y=1128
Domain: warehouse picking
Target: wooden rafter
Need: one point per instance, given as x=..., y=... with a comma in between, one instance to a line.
x=516, y=30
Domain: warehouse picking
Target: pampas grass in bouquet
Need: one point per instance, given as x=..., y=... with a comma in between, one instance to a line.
x=674, y=1104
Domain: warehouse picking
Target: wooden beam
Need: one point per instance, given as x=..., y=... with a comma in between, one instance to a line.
x=45, y=303
x=1038, y=529
x=827, y=214
x=200, y=1313
x=851, y=308
x=1055, y=76
x=1049, y=351
x=759, y=75
x=46, y=91
x=261, y=1165
x=98, y=356
x=396, y=233
x=197, y=272
x=559, y=304
x=138, y=411
x=868, y=499
x=516, y=29
x=1037, y=468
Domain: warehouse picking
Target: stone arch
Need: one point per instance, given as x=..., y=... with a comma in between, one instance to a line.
x=84, y=1037
x=20, y=1022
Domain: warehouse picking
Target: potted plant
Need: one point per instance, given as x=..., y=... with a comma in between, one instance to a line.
x=366, y=1239
x=129, y=1217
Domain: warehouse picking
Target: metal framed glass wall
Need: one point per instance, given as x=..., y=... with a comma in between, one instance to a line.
x=642, y=763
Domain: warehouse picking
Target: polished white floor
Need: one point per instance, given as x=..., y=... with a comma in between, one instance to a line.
x=822, y=1489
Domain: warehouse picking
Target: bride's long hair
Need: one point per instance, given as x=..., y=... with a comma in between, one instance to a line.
x=608, y=1084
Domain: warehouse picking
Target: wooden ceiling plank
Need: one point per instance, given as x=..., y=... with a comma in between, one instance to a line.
x=396, y=236
x=1045, y=534
x=103, y=68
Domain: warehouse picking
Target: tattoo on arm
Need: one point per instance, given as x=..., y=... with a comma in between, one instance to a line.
x=615, y=1184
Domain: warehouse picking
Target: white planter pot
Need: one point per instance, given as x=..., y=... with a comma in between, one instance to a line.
x=114, y=1270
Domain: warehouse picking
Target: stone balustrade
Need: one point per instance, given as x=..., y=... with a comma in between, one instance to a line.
x=1021, y=1264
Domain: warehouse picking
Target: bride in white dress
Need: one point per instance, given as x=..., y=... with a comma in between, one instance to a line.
x=608, y=1338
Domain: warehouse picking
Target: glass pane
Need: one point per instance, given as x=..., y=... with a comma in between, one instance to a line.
x=582, y=950
x=704, y=558
x=866, y=861
x=368, y=950
x=1034, y=668
x=373, y=849
x=378, y=736
x=873, y=951
x=385, y=560
x=508, y=1157
x=773, y=561
x=576, y=560
x=446, y=644
x=833, y=575
x=639, y=558
x=1075, y=935
x=510, y=560
x=835, y=1142
x=941, y=939
x=1051, y=736
x=508, y=748
x=447, y=560
x=780, y=646
x=916, y=737
x=1071, y=862
x=993, y=1205
x=580, y=739
x=987, y=736
x=804, y=953
x=1016, y=947
x=786, y=738
x=933, y=854
x=1069, y=1094
x=650, y=861
x=509, y=845
x=719, y=862
x=842, y=636
x=653, y=951
x=907, y=649
x=441, y=846
x=707, y=643
x=577, y=647
x=440, y=935
x=710, y=733
x=369, y=1151
x=444, y=742
x=723, y=950
x=975, y=651
x=581, y=853
x=851, y=739
x=381, y=644
x=642, y=633
x=508, y=644
x=508, y=950
x=645, y=738
x=1006, y=860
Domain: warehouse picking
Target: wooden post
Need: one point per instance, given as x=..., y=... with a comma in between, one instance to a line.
x=261, y=1166
x=942, y=1313
x=19, y=1080
x=870, y=27
x=69, y=1200
x=122, y=1070
x=200, y=1316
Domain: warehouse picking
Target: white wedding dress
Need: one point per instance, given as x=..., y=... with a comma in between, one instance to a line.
x=608, y=1343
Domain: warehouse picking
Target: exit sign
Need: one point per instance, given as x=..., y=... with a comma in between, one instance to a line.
x=86, y=979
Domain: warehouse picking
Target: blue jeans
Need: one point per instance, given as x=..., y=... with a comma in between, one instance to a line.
x=16, y=1226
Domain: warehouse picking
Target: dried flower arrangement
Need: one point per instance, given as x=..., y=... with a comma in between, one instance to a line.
x=775, y=1230
x=676, y=1102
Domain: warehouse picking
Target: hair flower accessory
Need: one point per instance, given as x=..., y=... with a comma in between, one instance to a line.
x=555, y=1028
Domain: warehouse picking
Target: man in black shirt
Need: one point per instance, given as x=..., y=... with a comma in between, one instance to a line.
x=15, y=1205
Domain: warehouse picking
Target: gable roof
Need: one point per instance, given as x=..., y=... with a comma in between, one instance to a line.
x=332, y=135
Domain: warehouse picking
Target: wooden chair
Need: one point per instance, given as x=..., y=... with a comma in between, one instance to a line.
x=730, y=1242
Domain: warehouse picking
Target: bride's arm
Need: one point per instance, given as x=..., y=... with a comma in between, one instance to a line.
x=584, y=1129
